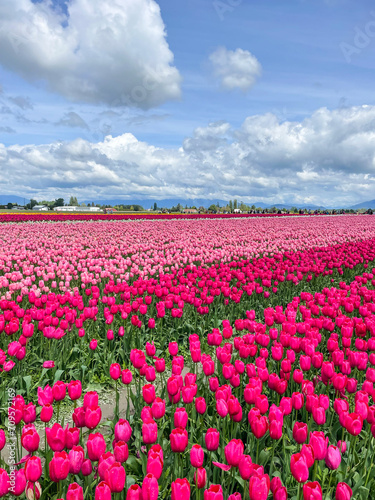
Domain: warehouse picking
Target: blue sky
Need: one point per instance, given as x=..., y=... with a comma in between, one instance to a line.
x=301, y=48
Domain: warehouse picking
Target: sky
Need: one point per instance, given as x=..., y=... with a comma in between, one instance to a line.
x=215, y=99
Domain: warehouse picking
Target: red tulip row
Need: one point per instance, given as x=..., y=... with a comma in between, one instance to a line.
x=64, y=217
x=295, y=374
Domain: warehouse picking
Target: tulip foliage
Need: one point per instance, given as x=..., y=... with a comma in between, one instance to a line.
x=239, y=355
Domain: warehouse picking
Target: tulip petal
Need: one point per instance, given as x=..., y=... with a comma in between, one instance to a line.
x=222, y=466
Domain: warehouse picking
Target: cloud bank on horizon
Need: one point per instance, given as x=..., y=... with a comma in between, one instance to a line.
x=328, y=156
x=98, y=60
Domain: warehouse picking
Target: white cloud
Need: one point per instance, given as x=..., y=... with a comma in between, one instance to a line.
x=235, y=69
x=101, y=52
x=328, y=158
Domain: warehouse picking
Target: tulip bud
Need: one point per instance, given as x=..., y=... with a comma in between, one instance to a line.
x=33, y=491
x=196, y=456
x=212, y=438
x=200, y=477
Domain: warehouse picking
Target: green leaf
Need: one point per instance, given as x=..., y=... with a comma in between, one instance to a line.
x=27, y=380
x=57, y=375
x=263, y=457
x=240, y=481
x=130, y=480
x=364, y=493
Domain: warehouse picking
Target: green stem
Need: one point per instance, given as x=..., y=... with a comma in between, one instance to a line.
x=315, y=470
x=299, y=495
x=330, y=479
x=369, y=470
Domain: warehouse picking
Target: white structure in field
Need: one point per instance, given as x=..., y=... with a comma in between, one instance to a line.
x=40, y=208
x=77, y=209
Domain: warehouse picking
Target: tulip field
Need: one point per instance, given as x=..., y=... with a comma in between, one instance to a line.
x=187, y=358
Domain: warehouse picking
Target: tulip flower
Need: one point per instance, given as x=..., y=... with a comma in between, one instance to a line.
x=245, y=467
x=103, y=491
x=2, y=439
x=343, y=492
x=75, y=389
x=105, y=462
x=30, y=438
x=123, y=431
x=312, y=491
x=173, y=348
x=126, y=377
x=115, y=477
x=196, y=456
x=75, y=492
x=298, y=467
x=319, y=443
x=95, y=446
x=4, y=482
x=259, y=487
x=33, y=469
x=155, y=465
x=200, y=477
x=308, y=452
x=353, y=423
x=56, y=437
x=46, y=413
x=76, y=457
x=179, y=440
x=90, y=399
x=121, y=451
x=71, y=437
x=149, y=431
x=180, y=489
x=86, y=467
x=150, y=488
x=59, y=466
x=45, y=395
x=212, y=438
x=33, y=491
x=300, y=432
x=233, y=452
x=333, y=457
x=59, y=390
x=214, y=492
x=134, y=492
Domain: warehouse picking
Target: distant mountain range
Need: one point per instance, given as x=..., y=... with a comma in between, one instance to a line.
x=198, y=202
x=364, y=204
x=10, y=198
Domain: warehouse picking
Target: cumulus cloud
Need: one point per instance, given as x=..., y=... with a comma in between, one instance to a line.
x=235, y=69
x=328, y=158
x=99, y=52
